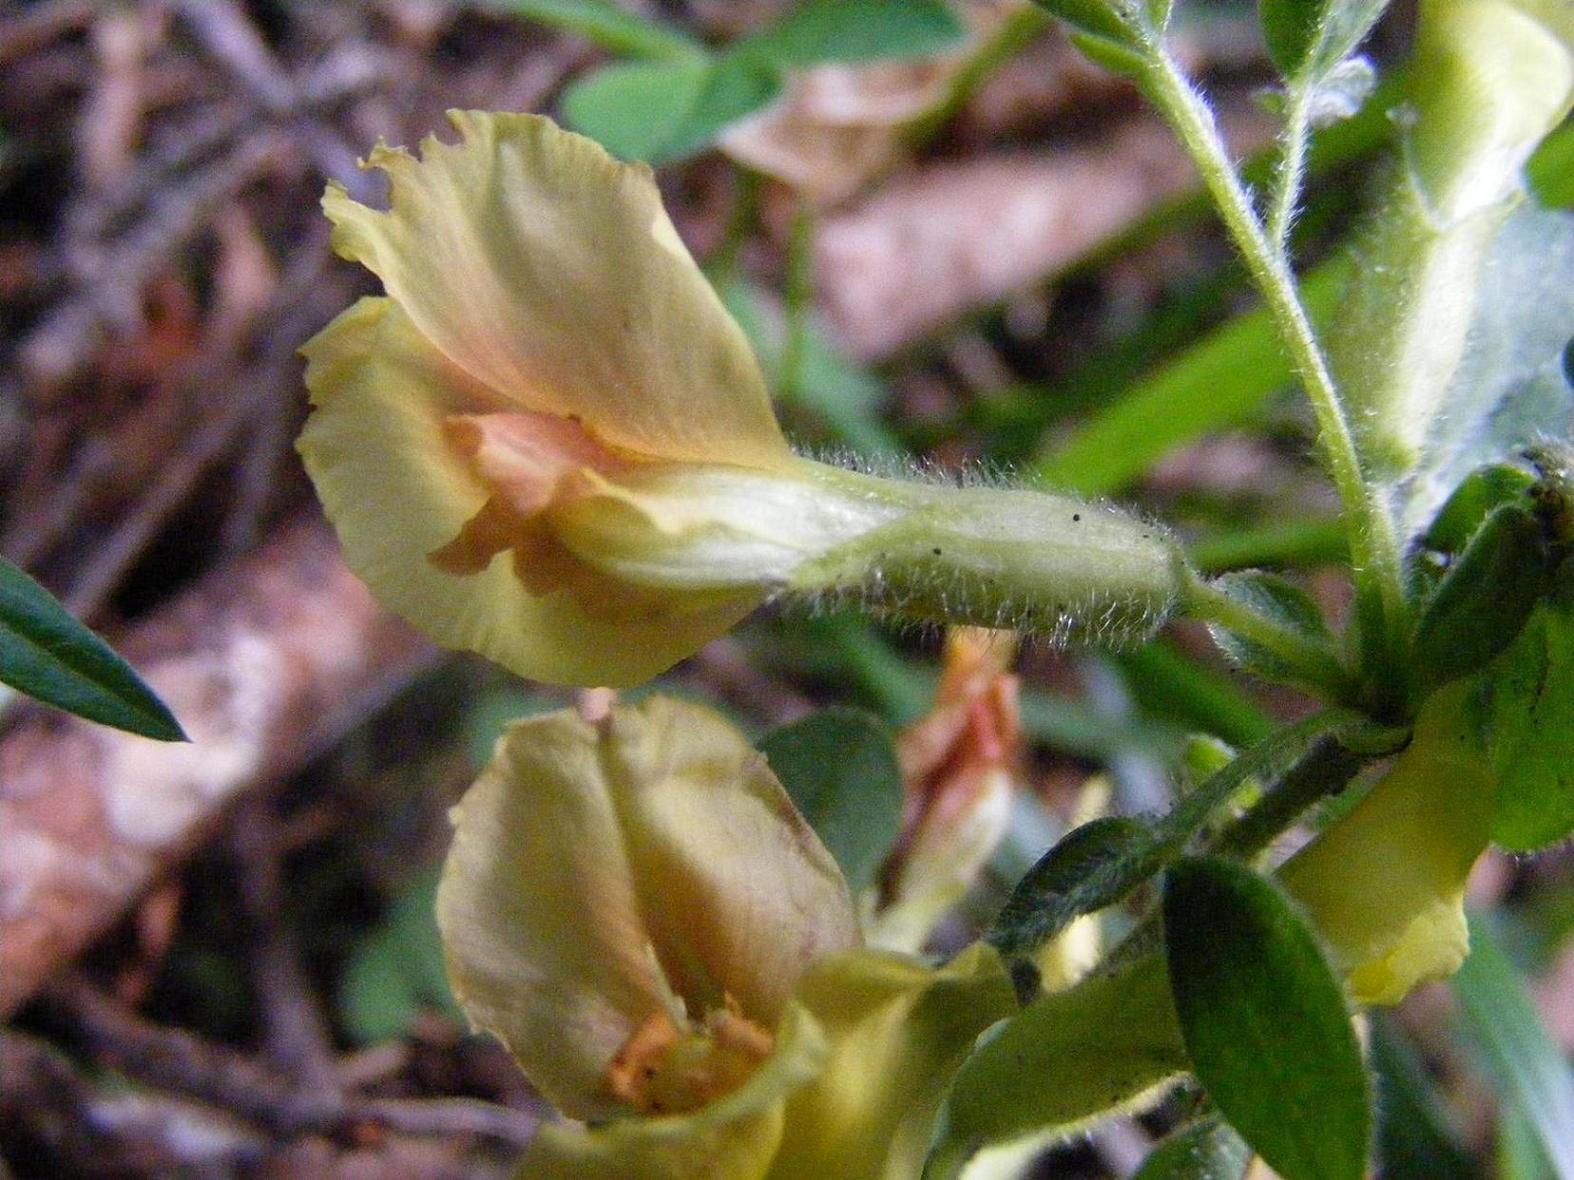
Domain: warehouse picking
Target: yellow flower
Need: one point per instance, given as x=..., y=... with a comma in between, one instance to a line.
x=1385, y=884
x=550, y=377
x=635, y=909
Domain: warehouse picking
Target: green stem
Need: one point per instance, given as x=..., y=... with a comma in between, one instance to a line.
x=1380, y=606
x=799, y=296
x=1015, y=32
x=1287, y=177
x=1308, y=661
x=723, y=264
x=1270, y=760
x=1322, y=772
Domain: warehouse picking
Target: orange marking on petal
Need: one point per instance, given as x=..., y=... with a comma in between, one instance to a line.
x=663, y=1070
x=524, y=457
x=530, y=462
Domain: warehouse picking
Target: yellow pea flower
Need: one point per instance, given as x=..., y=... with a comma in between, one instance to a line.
x=549, y=443
x=633, y=906
x=1385, y=884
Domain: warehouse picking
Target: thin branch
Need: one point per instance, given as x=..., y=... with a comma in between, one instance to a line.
x=175, y=1060
x=1381, y=605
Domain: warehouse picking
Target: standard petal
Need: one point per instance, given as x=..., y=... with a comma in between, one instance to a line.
x=601, y=873
x=551, y=273
x=540, y=919
x=739, y=894
x=397, y=490
x=736, y=1138
x=898, y=1031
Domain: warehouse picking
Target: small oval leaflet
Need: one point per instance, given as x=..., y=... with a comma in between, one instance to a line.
x=1264, y=1021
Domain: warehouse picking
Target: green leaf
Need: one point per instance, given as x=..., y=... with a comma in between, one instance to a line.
x=1273, y=598
x=1280, y=543
x=1524, y=1064
x=1550, y=171
x=1480, y=494
x=1096, y=18
x=609, y=26
x=1172, y=686
x=1106, y=1044
x=1526, y=700
x=47, y=654
x=1264, y=1021
x=840, y=767
x=1091, y=867
x=663, y=110
x=1484, y=599
x=397, y=972
x=1519, y=1154
x=1511, y=386
x=820, y=31
x=1290, y=29
x=1307, y=38
x=1116, y=56
x=1206, y=1150
x=1415, y=1136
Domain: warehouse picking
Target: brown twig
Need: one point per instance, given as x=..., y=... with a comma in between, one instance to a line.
x=175, y=1060
x=31, y=30
x=62, y=345
x=288, y=319
x=264, y=662
x=46, y=1101
x=297, y=1041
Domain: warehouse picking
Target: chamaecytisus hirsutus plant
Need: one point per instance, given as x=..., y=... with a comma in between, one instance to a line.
x=549, y=442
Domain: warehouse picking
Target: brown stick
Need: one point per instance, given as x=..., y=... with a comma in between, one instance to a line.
x=264, y=662
x=179, y=1062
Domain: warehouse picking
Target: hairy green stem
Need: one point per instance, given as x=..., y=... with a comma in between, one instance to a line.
x=1274, y=759
x=1380, y=606
x=1286, y=188
x=1268, y=759
x=1322, y=772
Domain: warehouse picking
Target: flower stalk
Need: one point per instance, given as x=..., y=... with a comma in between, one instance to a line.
x=1381, y=608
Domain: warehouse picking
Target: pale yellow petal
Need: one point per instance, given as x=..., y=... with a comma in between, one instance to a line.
x=897, y=1030
x=551, y=273
x=397, y=490
x=540, y=917
x=602, y=872
x=1385, y=884
x=736, y=1138
x=738, y=892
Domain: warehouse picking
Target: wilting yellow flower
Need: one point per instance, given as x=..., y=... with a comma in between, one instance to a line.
x=959, y=764
x=550, y=444
x=635, y=909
